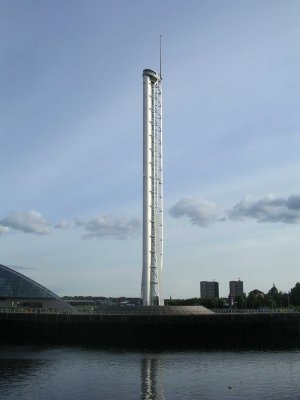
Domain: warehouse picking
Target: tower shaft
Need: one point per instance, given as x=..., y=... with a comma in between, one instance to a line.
x=152, y=189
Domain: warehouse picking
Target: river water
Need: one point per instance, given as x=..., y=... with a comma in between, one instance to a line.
x=72, y=373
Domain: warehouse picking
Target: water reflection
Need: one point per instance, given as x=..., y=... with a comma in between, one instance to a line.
x=151, y=379
x=14, y=372
x=93, y=374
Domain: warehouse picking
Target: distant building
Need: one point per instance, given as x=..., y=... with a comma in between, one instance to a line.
x=236, y=288
x=209, y=290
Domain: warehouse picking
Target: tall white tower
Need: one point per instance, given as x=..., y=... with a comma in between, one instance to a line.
x=152, y=189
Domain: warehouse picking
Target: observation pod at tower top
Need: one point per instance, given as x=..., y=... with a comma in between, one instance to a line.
x=152, y=74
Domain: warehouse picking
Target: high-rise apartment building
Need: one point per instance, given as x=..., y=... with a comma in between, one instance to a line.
x=236, y=288
x=209, y=290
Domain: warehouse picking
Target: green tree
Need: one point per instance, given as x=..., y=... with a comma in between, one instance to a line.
x=240, y=301
x=256, y=299
x=295, y=295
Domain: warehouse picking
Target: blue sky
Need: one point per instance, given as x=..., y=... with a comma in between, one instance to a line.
x=71, y=142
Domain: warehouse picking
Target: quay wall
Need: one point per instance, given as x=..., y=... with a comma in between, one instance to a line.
x=280, y=330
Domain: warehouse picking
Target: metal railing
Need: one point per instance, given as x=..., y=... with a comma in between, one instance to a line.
x=253, y=311
x=32, y=311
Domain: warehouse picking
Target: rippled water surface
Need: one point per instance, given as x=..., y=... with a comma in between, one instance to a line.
x=79, y=373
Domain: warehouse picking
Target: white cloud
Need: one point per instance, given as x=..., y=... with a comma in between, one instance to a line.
x=63, y=223
x=110, y=226
x=268, y=209
x=26, y=221
x=198, y=211
x=3, y=230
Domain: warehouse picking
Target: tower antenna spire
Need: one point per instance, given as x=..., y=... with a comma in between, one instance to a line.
x=160, y=58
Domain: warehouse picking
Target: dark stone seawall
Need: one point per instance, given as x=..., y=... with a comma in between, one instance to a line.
x=280, y=330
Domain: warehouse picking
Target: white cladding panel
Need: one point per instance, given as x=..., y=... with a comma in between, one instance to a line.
x=147, y=182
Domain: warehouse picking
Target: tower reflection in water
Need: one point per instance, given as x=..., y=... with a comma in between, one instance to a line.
x=151, y=379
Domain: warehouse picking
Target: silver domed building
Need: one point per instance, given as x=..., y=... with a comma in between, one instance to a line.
x=19, y=291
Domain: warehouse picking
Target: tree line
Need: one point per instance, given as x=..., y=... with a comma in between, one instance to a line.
x=255, y=300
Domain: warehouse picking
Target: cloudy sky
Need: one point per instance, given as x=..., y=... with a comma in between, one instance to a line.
x=71, y=142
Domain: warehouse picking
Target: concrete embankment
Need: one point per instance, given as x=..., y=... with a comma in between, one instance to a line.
x=269, y=330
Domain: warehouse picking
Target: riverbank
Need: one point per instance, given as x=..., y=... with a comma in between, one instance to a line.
x=265, y=330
